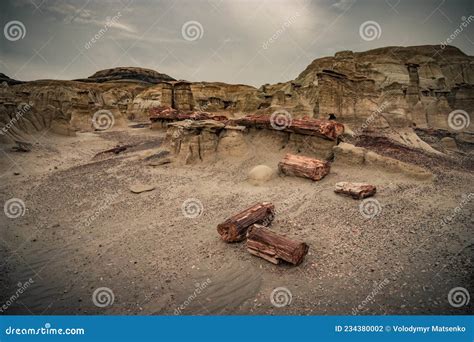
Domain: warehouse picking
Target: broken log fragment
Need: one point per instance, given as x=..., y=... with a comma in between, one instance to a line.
x=234, y=229
x=266, y=244
x=301, y=166
x=355, y=190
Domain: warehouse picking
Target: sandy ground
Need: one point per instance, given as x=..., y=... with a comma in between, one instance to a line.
x=83, y=230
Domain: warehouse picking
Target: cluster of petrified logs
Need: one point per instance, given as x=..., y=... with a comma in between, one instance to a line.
x=326, y=129
x=252, y=223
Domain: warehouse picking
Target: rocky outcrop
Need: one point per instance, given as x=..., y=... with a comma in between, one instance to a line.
x=127, y=74
x=381, y=91
x=394, y=86
x=351, y=155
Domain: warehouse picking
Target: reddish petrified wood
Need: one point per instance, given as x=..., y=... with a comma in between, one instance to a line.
x=171, y=114
x=355, y=190
x=301, y=166
x=273, y=247
x=327, y=129
x=234, y=229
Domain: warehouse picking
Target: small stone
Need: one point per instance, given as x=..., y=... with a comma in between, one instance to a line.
x=139, y=188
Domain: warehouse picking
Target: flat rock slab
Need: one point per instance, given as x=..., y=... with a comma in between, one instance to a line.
x=355, y=190
x=139, y=188
x=160, y=162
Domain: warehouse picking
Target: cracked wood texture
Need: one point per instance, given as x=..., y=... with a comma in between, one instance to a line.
x=300, y=166
x=234, y=229
x=266, y=244
x=326, y=129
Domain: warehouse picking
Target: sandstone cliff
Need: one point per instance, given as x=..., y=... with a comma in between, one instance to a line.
x=383, y=90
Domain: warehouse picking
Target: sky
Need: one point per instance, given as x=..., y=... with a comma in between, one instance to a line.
x=239, y=41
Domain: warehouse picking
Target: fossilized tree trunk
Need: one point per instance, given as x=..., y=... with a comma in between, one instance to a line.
x=306, y=167
x=234, y=229
x=273, y=247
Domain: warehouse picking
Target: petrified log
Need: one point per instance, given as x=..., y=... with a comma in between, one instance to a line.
x=168, y=114
x=234, y=229
x=301, y=166
x=355, y=190
x=273, y=247
x=327, y=129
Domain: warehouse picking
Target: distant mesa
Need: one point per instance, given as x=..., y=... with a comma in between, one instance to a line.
x=128, y=74
x=8, y=80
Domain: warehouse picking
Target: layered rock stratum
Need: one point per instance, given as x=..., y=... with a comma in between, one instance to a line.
x=389, y=91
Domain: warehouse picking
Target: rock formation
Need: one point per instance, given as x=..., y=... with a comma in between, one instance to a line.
x=383, y=91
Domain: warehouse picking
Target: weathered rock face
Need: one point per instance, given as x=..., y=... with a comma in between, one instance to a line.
x=381, y=90
x=401, y=86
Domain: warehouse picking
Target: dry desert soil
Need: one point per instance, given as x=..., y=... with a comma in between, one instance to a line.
x=83, y=229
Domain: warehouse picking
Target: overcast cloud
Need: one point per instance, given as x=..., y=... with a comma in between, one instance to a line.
x=251, y=42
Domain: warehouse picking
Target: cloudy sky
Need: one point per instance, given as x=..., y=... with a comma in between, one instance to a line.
x=251, y=42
